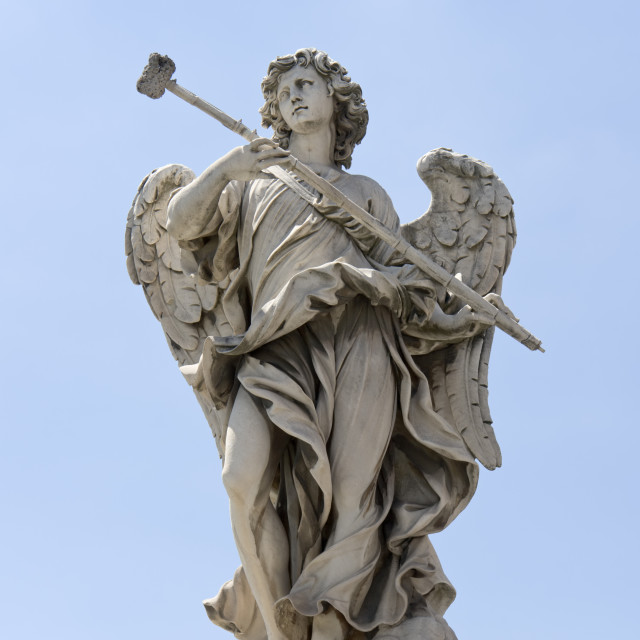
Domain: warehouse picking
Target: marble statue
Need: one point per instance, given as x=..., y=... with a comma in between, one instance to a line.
x=346, y=389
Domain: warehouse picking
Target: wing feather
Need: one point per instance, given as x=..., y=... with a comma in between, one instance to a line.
x=147, y=271
x=208, y=294
x=180, y=293
x=169, y=252
x=141, y=249
x=128, y=249
x=434, y=365
x=182, y=333
x=150, y=227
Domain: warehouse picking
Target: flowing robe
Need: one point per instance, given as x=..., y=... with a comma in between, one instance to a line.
x=315, y=320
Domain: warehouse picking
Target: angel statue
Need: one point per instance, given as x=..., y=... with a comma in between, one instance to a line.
x=346, y=389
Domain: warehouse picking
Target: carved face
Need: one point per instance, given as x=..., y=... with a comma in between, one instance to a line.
x=304, y=100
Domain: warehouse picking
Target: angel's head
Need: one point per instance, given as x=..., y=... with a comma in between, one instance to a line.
x=350, y=115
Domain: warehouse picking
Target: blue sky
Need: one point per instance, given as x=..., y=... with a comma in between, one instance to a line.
x=115, y=522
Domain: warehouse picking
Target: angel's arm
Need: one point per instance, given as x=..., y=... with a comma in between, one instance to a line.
x=193, y=207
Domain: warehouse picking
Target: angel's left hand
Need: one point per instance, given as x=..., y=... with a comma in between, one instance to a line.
x=498, y=303
x=467, y=322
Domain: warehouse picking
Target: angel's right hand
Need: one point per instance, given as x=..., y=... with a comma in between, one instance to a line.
x=248, y=162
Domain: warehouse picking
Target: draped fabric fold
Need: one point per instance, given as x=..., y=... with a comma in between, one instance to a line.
x=315, y=336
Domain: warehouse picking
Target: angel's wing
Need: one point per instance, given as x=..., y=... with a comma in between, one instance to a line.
x=181, y=303
x=469, y=230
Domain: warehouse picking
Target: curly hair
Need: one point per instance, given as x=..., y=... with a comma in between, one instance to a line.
x=351, y=115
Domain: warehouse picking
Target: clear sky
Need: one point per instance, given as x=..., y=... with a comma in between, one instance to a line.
x=114, y=520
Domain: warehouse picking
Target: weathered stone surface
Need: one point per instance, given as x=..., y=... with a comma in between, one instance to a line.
x=347, y=390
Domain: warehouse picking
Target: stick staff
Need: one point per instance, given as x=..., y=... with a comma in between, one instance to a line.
x=156, y=78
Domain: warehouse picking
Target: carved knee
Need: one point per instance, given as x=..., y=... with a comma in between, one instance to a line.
x=238, y=483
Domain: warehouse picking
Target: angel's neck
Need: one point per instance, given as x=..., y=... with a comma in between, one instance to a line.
x=315, y=148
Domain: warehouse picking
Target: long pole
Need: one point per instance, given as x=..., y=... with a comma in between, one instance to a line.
x=374, y=226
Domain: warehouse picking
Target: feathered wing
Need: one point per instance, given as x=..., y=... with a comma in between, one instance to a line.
x=469, y=230
x=181, y=302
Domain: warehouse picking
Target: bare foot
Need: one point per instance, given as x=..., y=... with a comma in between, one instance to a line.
x=293, y=625
x=329, y=625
